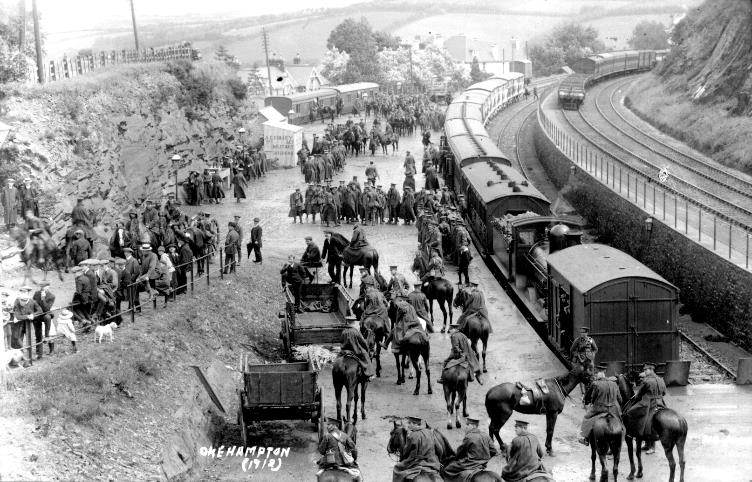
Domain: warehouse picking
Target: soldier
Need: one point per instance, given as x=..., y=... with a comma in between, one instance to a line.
x=256, y=243
x=473, y=454
x=446, y=197
x=337, y=197
x=373, y=204
x=435, y=269
x=393, y=200
x=333, y=258
x=524, y=455
x=372, y=174
x=293, y=274
x=382, y=203
x=297, y=206
x=231, y=248
x=150, y=214
x=338, y=451
x=239, y=230
x=358, y=239
x=407, y=209
x=398, y=283
x=80, y=249
x=329, y=209
x=584, y=349
x=646, y=401
x=309, y=208
x=353, y=341
x=366, y=281
x=311, y=257
x=409, y=164
x=464, y=262
x=419, y=454
x=604, y=397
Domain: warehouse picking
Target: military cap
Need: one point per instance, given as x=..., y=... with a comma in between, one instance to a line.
x=474, y=421
x=521, y=423
x=25, y=289
x=148, y=201
x=308, y=238
x=601, y=367
x=416, y=420
x=119, y=261
x=407, y=152
x=10, y=179
x=236, y=216
x=76, y=270
x=342, y=182
x=363, y=270
x=256, y=220
x=297, y=189
x=355, y=178
x=647, y=365
x=231, y=224
x=418, y=285
x=393, y=266
x=331, y=420
x=584, y=329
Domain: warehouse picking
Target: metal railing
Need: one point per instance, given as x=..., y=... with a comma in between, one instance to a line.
x=131, y=294
x=657, y=198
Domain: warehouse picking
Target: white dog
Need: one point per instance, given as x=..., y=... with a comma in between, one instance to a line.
x=12, y=356
x=105, y=330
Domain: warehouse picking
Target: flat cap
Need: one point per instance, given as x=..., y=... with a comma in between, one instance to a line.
x=308, y=238
x=416, y=420
x=521, y=423
x=256, y=220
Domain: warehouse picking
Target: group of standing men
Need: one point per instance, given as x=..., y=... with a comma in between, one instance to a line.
x=17, y=199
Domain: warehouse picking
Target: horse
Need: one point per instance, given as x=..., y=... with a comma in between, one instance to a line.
x=606, y=435
x=455, y=392
x=441, y=290
x=346, y=373
x=38, y=252
x=476, y=328
x=378, y=329
x=669, y=426
x=503, y=399
x=442, y=448
x=413, y=351
x=384, y=140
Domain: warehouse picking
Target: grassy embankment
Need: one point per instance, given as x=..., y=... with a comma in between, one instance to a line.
x=707, y=127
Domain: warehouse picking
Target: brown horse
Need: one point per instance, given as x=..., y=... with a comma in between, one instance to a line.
x=346, y=373
x=503, y=399
x=38, y=250
x=442, y=291
x=606, y=434
x=378, y=327
x=455, y=391
x=668, y=426
x=444, y=452
x=366, y=256
x=478, y=327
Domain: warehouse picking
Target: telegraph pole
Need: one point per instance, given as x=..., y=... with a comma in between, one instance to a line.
x=22, y=26
x=135, y=30
x=265, y=43
x=37, y=42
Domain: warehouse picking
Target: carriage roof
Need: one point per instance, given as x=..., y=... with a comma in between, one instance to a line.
x=305, y=96
x=346, y=88
x=466, y=147
x=453, y=127
x=489, y=85
x=486, y=179
x=510, y=76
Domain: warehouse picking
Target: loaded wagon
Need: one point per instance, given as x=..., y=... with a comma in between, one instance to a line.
x=279, y=391
x=326, y=308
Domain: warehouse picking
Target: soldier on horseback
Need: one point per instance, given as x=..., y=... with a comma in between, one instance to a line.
x=463, y=353
x=353, y=342
x=474, y=303
x=419, y=456
x=358, y=239
x=366, y=281
x=524, y=455
x=398, y=283
x=583, y=349
x=338, y=450
x=472, y=455
x=604, y=397
x=435, y=268
x=647, y=401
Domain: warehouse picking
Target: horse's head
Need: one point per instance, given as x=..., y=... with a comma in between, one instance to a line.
x=459, y=298
x=397, y=439
x=625, y=387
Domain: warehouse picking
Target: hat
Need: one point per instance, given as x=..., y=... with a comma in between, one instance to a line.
x=355, y=178
x=161, y=248
x=418, y=285
x=379, y=186
x=444, y=187
x=297, y=189
x=584, y=329
x=521, y=423
x=334, y=421
x=416, y=420
x=120, y=261
x=394, y=184
x=127, y=250
x=132, y=212
x=25, y=289
x=393, y=266
x=76, y=270
x=647, y=365
x=236, y=216
x=363, y=270
x=145, y=247
x=27, y=179
x=88, y=262
x=64, y=315
x=472, y=420
x=341, y=182
x=10, y=179
x=79, y=231
x=308, y=238
x=256, y=220
x=601, y=367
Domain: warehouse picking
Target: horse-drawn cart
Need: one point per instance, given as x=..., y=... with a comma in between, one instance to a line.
x=325, y=309
x=279, y=391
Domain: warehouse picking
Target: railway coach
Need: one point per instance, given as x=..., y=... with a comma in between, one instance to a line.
x=350, y=93
x=614, y=63
x=301, y=104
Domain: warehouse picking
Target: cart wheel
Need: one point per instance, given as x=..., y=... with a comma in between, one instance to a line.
x=320, y=418
x=285, y=335
x=242, y=422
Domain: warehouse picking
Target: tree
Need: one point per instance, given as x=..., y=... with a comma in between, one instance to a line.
x=221, y=54
x=649, y=35
x=386, y=41
x=477, y=75
x=334, y=65
x=546, y=60
x=357, y=39
x=566, y=44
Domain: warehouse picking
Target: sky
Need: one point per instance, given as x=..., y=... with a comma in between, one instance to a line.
x=73, y=15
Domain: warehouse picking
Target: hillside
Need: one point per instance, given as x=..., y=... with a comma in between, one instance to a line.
x=701, y=93
x=108, y=137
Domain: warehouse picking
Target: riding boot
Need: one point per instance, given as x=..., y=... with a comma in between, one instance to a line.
x=75, y=350
x=52, y=347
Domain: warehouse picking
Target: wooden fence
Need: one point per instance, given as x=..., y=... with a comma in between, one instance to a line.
x=69, y=67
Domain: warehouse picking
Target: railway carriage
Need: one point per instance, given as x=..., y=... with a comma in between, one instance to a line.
x=349, y=93
x=524, y=67
x=515, y=87
x=301, y=104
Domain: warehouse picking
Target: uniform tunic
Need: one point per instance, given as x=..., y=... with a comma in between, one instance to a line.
x=524, y=458
x=649, y=397
x=419, y=456
x=352, y=340
x=604, y=397
x=472, y=455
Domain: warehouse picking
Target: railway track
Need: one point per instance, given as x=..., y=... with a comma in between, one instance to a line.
x=715, y=203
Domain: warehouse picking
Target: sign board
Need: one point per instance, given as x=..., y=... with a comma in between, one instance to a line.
x=282, y=142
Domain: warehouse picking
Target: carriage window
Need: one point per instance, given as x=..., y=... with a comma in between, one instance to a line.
x=526, y=238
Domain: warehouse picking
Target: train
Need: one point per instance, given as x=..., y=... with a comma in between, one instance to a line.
x=559, y=282
x=302, y=103
x=589, y=70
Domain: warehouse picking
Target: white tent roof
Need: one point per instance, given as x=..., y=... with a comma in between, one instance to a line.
x=272, y=114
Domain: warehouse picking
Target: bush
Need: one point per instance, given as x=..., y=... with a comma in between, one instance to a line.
x=238, y=88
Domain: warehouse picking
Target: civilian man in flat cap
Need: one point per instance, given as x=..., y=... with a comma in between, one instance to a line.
x=44, y=299
x=11, y=203
x=333, y=258
x=311, y=257
x=239, y=230
x=398, y=283
x=604, y=397
x=25, y=310
x=524, y=455
x=472, y=455
x=418, y=455
x=293, y=275
x=584, y=349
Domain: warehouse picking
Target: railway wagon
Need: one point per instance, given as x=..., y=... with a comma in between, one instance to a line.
x=631, y=310
x=524, y=67
x=301, y=104
x=614, y=63
x=571, y=91
x=493, y=190
x=349, y=93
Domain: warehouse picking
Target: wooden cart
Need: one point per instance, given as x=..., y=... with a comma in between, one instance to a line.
x=279, y=391
x=315, y=327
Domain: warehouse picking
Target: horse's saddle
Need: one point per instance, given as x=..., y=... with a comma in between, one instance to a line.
x=532, y=392
x=461, y=361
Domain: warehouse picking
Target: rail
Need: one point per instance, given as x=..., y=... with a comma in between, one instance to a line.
x=687, y=216
x=131, y=292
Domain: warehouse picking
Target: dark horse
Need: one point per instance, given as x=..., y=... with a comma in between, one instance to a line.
x=414, y=350
x=366, y=256
x=444, y=452
x=455, y=390
x=477, y=327
x=668, y=426
x=503, y=399
x=378, y=327
x=38, y=252
x=441, y=290
x=346, y=373
x=606, y=435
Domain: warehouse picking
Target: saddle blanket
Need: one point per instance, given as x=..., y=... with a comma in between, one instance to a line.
x=532, y=392
x=457, y=361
